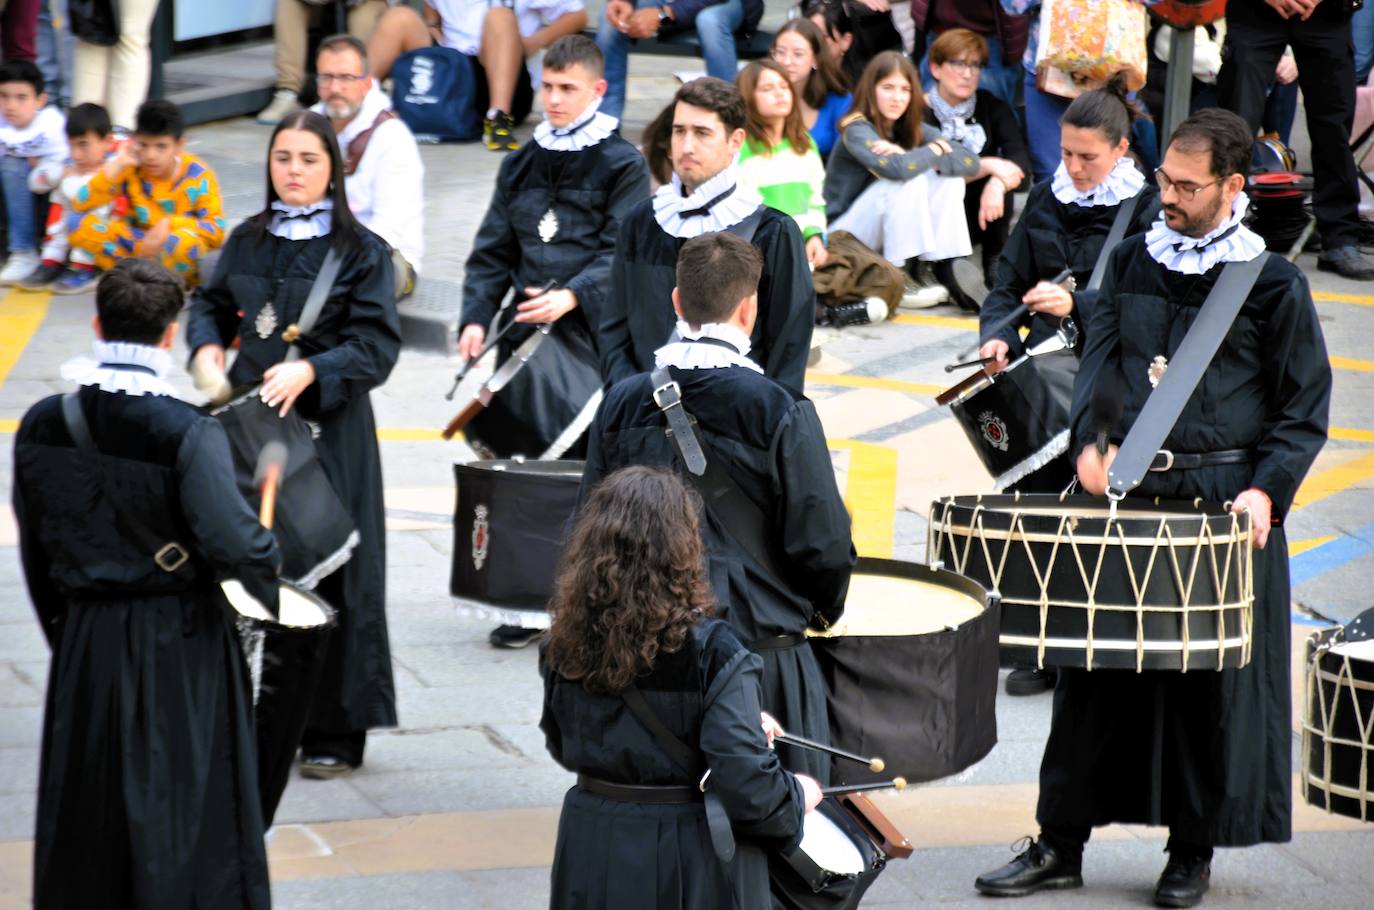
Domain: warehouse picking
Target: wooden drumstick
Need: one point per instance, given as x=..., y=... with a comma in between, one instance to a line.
x=267, y=478
x=876, y=765
x=897, y=783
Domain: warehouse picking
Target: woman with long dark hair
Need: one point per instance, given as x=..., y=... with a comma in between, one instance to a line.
x=819, y=85
x=633, y=632
x=259, y=289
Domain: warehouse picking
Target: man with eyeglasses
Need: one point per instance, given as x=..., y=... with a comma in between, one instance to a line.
x=290, y=31
x=1205, y=753
x=385, y=178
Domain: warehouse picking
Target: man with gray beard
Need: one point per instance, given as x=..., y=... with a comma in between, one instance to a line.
x=385, y=177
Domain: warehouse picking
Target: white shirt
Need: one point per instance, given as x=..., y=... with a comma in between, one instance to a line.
x=462, y=20
x=387, y=191
x=45, y=137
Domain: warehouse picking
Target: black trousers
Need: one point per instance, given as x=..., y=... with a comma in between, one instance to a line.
x=1255, y=39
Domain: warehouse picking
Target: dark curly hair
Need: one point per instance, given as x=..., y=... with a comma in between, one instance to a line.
x=632, y=581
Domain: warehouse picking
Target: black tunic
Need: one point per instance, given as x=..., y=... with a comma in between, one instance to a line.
x=1225, y=773
x=353, y=347
x=770, y=441
x=612, y=855
x=147, y=793
x=590, y=192
x=639, y=317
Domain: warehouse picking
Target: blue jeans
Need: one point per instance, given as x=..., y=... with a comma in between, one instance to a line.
x=998, y=79
x=715, y=25
x=14, y=178
x=1362, y=32
x=55, y=52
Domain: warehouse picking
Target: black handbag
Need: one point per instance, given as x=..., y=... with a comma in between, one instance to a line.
x=95, y=21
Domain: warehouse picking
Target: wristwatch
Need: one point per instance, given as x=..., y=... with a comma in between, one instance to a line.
x=664, y=15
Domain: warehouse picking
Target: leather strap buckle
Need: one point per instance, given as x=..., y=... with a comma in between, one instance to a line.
x=171, y=557
x=661, y=395
x=1163, y=461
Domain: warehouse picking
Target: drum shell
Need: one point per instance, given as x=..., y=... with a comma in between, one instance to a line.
x=798, y=883
x=1030, y=564
x=509, y=525
x=1014, y=423
x=1351, y=766
x=926, y=704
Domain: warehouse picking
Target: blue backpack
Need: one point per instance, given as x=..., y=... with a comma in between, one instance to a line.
x=434, y=91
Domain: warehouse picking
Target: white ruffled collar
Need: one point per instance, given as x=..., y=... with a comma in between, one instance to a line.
x=111, y=369
x=686, y=354
x=1124, y=181
x=1231, y=241
x=716, y=205
x=295, y=222
x=591, y=128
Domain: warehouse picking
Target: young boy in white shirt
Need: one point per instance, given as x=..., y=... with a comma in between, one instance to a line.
x=91, y=140
x=31, y=135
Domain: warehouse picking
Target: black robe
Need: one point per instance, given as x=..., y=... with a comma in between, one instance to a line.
x=770, y=441
x=353, y=347
x=1224, y=778
x=638, y=316
x=147, y=792
x=613, y=855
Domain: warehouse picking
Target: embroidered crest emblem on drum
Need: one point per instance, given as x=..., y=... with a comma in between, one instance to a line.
x=481, y=536
x=994, y=430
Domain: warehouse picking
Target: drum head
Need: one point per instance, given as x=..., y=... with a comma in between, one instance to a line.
x=296, y=608
x=830, y=846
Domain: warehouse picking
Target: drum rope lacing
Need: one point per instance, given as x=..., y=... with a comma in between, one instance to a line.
x=1317, y=696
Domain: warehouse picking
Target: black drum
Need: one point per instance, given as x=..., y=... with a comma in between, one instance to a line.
x=509, y=525
x=911, y=669
x=1338, y=725
x=1162, y=586
x=835, y=863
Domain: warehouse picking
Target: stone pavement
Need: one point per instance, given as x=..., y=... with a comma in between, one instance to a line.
x=458, y=807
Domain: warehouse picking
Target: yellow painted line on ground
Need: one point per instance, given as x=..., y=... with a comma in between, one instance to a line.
x=1350, y=363
x=21, y=313
x=408, y=434
x=1311, y=543
x=1351, y=435
x=1332, y=297
x=848, y=381
x=870, y=492
x=9, y=425
x=1328, y=483
x=962, y=323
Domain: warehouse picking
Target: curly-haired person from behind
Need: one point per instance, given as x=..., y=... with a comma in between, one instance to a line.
x=632, y=612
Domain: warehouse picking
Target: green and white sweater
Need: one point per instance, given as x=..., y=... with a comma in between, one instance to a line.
x=786, y=181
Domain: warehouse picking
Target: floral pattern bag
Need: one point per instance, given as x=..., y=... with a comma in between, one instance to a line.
x=1083, y=43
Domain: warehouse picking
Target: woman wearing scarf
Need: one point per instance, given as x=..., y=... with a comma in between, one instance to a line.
x=258, y=290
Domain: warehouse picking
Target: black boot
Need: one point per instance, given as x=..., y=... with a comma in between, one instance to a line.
x=1030, y=681
x=1040, y=867
x=1184, y=881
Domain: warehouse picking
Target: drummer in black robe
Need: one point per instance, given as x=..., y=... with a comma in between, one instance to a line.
x=769, y=440
x=258, y=290
x=634, y=832
x=1064, y=226
x=707, y=132
x=147, y=791
x=1205, y=753
x=554, y=217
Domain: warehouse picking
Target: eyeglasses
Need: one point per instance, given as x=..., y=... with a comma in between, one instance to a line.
x=964, y=66
x=782, y=55
x=1186, y=191
x=341, y=78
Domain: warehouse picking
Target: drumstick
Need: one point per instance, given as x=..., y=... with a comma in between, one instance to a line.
x=472, y=362
x=897, y=783
x=980, y=362
x=996, y=328
x=876, y=765
x=267, y=478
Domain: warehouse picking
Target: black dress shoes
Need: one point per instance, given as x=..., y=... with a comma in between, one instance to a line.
x=1347, y=262
x=1041, y=867
x=1183, y=883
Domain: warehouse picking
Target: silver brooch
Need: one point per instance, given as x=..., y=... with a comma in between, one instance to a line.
x=266, y=323
x=1157, y=369
x=548, y=226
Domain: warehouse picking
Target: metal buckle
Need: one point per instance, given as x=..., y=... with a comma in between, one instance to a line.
x=171, y=557
x=1168, y=461
x=670, y=385
x=701, y=785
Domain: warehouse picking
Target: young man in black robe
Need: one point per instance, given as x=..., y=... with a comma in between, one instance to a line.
x=707, y=132
x=769, y=441
x=1223, y=772
x=147, y=793
x=554, y=217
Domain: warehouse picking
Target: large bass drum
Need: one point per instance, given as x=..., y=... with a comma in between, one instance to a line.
x=509, y=525
x=911, y=669
x=1162, y=586
x=1338, y=725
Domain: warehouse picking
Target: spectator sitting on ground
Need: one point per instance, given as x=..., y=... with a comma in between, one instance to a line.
x=982, y=123
x=716, y=23
x=503, y=41
x=895, y=184
x=290, y=33
x=91, y=140
x=831, y=17
x=171, y=209
x=385, y=178
x=31, y=135
x=821, y=89
x=778, y=160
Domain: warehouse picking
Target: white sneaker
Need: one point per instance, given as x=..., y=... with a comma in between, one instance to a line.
x=18, y=267
x=283, y=104
x=923, y=291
